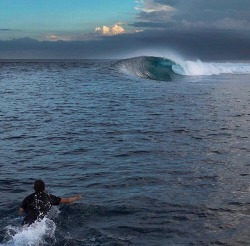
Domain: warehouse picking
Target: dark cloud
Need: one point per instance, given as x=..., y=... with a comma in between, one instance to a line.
x=192, y=44
x=207, y=45
x=5, y=30
x=217, y=14
x=147, y=24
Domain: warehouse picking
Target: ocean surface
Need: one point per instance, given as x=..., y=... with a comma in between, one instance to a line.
x=159, y=150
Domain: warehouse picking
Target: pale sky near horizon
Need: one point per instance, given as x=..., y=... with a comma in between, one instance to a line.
x=107, y=27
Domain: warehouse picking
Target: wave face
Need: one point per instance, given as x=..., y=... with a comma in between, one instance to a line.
x=155, y=68
x=164, y=69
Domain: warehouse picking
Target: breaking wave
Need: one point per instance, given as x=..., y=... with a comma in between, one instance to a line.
x=200, y=68
x=164, y=69
x=149, y=67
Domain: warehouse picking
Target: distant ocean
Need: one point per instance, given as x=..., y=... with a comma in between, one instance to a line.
x=159, y=149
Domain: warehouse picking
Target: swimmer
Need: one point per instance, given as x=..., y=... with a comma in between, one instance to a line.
x=38, y=204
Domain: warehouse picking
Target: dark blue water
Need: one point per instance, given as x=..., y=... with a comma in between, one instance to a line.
x=157, y=162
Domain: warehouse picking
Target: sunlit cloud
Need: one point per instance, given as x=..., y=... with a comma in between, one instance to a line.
x=149, y=6
x=110, y=30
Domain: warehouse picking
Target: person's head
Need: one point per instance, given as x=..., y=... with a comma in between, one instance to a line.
x=39, y=186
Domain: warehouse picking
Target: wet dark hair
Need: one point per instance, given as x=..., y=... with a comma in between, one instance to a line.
x=39, y=185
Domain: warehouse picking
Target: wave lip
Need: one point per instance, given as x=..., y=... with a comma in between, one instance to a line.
x=155, y=68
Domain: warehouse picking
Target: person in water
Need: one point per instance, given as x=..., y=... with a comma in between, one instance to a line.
x=38, y=204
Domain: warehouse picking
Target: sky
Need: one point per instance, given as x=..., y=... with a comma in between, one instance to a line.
x=78, y=29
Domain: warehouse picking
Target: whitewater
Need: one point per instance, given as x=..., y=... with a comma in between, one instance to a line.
x=158, y=146
x=196, y=68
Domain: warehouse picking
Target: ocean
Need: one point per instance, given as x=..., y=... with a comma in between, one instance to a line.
x=159, y=150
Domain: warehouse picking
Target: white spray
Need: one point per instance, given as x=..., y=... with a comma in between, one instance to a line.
x=196, y=68
x=37, y=233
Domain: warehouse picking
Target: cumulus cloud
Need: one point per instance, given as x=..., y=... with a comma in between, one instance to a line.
x=110, y=30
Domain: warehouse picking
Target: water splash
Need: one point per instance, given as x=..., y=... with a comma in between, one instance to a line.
x=40, y=232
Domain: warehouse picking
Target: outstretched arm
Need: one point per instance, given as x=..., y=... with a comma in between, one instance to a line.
x=70, y=199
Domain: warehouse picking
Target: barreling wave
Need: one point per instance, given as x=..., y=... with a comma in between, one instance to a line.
x=155, y=68
x=163, y=69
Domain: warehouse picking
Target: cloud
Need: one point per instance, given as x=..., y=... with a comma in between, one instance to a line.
x=223, y=14
x=5, y=30
x=151, y=11
x=226, y=24
x=53, y=37
x=9, y=30
x=194, y=28
x=229, y=23
x=150, y=6
x=110, y=30
x=192, y=44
